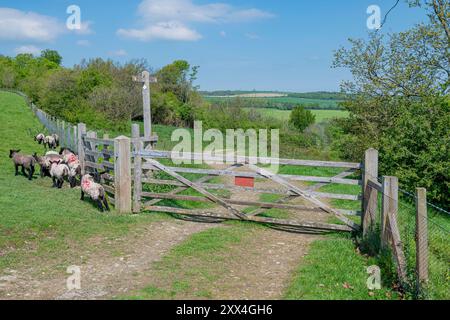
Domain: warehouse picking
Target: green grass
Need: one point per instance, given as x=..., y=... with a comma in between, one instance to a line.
x=191, y=268
x=321, y=115
x=36, y=221
x=333, y=270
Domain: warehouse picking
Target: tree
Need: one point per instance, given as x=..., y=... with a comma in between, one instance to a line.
x=52, y=55
x=399, y=100
x=301, y=118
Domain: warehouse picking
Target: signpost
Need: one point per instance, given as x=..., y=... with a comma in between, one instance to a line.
x=146, y=79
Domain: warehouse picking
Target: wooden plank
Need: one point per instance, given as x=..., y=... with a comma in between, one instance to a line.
x=389, y=206
x=278, y=222
x=341, y=175
x=231, y=201
x=246, y=160
x=122, y=174
x=99, y=141
x=259, y=190
x=198, y=188
x=183, y=187
x=249, y=174
x=269, y=175
x=375, y=184
x=102, y=153
x=138, y=146
x=421, y=237
x=397, y=247
x=370, y=195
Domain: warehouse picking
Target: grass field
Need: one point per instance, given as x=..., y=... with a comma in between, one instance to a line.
x=36, y=221
x=323, y=103
x=43, y=226
x=321, y=115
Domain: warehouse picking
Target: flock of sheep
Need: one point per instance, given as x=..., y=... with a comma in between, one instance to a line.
x=61, y=166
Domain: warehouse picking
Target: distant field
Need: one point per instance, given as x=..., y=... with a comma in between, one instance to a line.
x=321, y=115
x=252, y=95
x=260, y=101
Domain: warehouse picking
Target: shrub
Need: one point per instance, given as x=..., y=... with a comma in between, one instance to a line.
x=301, y=118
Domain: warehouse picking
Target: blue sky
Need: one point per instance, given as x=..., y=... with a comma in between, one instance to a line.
x=282, y=45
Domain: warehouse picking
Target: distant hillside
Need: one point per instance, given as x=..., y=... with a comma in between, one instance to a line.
x=319, y=95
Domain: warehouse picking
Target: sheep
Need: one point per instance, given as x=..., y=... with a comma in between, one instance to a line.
x=39, y=138
x=24, y=161
x=44, y=162
x=56, y=137
x=73, y=162
x=95, y=191
x=58, y=172
x=50, y=142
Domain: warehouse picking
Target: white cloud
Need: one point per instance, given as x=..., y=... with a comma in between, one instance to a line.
x=223, y=34
x=118, y=53
x=83, y=43
x=171, y=19
x=163, y=30
x=28, y=49
x=186, y=10
x=20, y=25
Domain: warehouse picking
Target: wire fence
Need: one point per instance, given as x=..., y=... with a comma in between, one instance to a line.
x=424, y=232
x=67, y=132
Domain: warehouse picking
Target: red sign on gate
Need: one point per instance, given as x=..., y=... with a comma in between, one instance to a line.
x=244, y=182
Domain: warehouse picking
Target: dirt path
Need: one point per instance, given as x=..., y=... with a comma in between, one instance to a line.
x=104, y=274
x=262, y=267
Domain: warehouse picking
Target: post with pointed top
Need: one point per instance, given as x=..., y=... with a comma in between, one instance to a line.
x=370, y=195
x=122, y=174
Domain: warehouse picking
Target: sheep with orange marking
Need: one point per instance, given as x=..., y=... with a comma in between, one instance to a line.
x=95, y=191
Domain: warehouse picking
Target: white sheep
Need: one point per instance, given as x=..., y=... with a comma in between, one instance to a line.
x=58, y=171
x=94, y=190
x=56, y=137
x=39, y=138
x=73, y=162
x=50, y=142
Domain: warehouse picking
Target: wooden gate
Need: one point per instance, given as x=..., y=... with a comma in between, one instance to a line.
x=153, y=168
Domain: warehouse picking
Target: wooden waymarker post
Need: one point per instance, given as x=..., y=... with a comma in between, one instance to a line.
x=146, y=79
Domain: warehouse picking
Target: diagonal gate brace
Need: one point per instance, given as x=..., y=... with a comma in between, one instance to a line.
x=276, y=178
x=198, y=188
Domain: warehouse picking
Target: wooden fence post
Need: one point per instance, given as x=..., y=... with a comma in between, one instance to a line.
x=138, y=146
x=81, y=130
x=389, y=208
x=75, y=138
x=62, y=135
x=122, y=174
x=421, y=236
x=370, y=195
